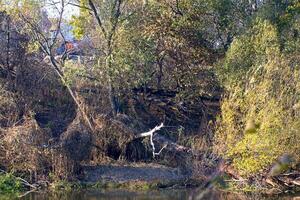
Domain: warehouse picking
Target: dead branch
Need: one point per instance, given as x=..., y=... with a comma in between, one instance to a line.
x=24, y=182
x=150, y=134
x=27, y=193
x=170, y=145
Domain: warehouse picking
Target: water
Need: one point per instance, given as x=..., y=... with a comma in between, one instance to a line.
x=150, y=195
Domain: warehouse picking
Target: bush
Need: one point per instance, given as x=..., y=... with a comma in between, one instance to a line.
x=10, y=184
x=260, y=112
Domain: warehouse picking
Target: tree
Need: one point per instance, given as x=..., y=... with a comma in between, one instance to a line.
x=109, y=16
x=165, y=45
x=260, y=110
x=36, y=29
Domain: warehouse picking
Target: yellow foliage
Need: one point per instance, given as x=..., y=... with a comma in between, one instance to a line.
x=260, y=121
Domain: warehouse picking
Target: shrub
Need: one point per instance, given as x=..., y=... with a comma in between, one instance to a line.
x=260, y=112
x=10, y=184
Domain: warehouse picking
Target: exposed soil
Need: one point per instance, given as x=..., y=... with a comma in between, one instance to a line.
x=128, y=173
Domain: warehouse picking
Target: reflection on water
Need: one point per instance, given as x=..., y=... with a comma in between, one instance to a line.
x=111, y=195
x=151, y=195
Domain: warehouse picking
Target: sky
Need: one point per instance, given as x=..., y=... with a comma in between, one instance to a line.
x=52, y=12
x=69, y=11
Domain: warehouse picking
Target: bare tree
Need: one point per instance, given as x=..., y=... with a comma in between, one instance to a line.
x=47, y=47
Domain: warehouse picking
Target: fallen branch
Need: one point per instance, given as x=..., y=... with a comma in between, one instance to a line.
x=28, y=192
x=24, y=182
x=150, y=134
x=172, y=146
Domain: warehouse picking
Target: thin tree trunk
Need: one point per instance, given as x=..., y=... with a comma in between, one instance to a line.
x=108, y=36
x=111, y=91
x=72, y=93
x=8, y=48
x=160, y=72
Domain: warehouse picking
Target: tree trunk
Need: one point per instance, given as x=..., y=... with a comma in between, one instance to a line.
x=160, y=72
x=72, y=93
x=111, y=90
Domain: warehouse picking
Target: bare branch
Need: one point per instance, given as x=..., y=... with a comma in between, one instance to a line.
x=150, y=133
x=116, y=12
x=59, y=21
x=26, y=183
x=99, y=21
x=79, y=6
x=156, y=128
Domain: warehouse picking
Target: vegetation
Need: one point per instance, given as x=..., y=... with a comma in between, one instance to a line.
x=10, y=184
x=77, y=90
x=260, y=114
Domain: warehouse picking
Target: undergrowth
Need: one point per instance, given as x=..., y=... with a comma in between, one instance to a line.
x=260, y=112
x=9, y=184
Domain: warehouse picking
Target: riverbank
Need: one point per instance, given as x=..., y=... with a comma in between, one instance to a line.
x=139, y=178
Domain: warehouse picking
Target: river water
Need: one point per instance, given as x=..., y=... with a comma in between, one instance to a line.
x=168, y=194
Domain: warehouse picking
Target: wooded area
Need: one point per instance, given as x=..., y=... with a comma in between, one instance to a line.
x=208, y=87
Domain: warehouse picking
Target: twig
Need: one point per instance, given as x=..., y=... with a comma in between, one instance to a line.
x=161, y=149
x=80, y=6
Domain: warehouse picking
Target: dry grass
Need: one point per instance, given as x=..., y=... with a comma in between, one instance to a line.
x=22, y=148
x=9, y=112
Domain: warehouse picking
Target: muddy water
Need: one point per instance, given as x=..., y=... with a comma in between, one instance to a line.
x=152, y=195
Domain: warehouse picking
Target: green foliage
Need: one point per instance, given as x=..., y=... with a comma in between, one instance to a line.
x=157, y=48
x=132, y=185
x=260, y=119
x=9, y=184
x=79, y=23
x=254, y=48
x=73, y=71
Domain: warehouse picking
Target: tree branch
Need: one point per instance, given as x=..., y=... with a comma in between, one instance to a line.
x=99, y=21
x=150, y=133
x=79, y=6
